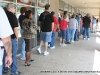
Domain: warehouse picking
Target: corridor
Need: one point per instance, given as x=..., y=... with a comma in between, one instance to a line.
x=79, y=56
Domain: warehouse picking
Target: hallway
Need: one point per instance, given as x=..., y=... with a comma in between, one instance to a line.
x=78, y=56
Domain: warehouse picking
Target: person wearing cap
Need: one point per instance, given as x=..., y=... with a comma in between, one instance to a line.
x=10, y=12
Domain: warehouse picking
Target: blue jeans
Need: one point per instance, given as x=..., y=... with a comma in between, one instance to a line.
x=14, y=65
x=81, y=29
x=0, y=69
x=86, y=32
x=53, y=38
x=76, y=35
x=67, y=35
x=23, y=52
x=4, y=67
x=72, y=33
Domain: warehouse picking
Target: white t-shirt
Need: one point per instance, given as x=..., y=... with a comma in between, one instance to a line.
x=5, y=30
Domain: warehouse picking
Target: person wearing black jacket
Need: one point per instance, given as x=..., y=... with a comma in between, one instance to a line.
x=86, y=25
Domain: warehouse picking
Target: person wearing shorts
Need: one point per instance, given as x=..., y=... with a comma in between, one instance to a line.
x=47, y=22
x=63, y=26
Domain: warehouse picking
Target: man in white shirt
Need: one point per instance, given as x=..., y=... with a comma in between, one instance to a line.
x=5, y=40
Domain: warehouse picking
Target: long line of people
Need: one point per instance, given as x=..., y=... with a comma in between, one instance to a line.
x=68, y=30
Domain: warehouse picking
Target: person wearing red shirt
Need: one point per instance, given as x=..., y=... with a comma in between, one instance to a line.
x=52, y=43
x=63, y=26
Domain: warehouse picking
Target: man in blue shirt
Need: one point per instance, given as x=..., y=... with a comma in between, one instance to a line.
x=77, y=33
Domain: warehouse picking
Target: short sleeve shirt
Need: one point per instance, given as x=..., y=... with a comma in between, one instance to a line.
x=63, y=24
x=46, y=22
x=13, y=21
x=5, y=30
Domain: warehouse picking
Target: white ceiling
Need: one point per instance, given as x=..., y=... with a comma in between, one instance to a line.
x=87, y=6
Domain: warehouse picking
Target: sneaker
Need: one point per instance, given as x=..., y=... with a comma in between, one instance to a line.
x=46, y=53
x=52, y=47
x=64, y=45
x=23, y=59
x=39, y=50
x=17, y=73
x=84, y=39
x=72, y=41
x=88, y=38
x=60, y=44
x=5, y=72
x=48, y=45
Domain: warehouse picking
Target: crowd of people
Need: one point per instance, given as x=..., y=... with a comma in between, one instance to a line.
x=69, y=30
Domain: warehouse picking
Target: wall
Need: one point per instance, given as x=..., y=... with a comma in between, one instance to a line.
x=54, y=6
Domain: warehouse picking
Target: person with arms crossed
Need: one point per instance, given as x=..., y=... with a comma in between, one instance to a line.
x=14, y=38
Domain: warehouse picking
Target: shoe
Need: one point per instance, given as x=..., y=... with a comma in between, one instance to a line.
x=27, y=64
x=39, y=50
x=52, y=47
x=88, y=38
x=64, y=45
x=31, y=60
x=48, y=45
x=60, y=44
x=17, y=73
x=5, y=72
x=84, y=39
x=72, y=41
x=23, y=59
x=68, y=43
x=46, y=53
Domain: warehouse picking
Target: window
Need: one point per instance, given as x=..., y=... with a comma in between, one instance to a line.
x=42, y=3
x=27, y=2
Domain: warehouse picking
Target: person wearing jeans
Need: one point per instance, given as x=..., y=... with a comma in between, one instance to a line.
x=14, y=37
x=76, y=35
x=52, y=43
x=67, y=36
x=21, y=18
x=73, y=25
x=87, y=32
x=23, y=52
x=72, y=33
x=86, y=25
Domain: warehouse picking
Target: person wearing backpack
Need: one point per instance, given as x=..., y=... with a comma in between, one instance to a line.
x=47, y=24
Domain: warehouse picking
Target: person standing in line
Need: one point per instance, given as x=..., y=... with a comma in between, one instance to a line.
x=5, y=39
x=86, y=25
x=63, y=26
x=81, y=25
x=73, y=25
x=52, y=43
x=29, y=32
x=94, y=22
x=21, y=18
x=47, y=25
x=14, y=38
x=77, y=33
x=67, y=30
